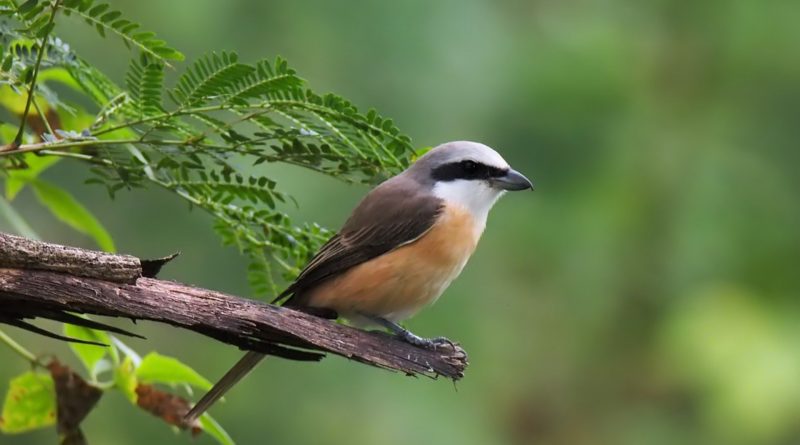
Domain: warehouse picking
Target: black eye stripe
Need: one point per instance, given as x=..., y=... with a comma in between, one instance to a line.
x=466, y=169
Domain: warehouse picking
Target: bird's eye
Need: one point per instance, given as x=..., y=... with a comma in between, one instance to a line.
x=469, y=166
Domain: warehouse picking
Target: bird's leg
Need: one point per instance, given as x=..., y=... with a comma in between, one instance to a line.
x=411, y=338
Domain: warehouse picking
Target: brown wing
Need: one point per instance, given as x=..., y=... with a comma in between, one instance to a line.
x=395, y=213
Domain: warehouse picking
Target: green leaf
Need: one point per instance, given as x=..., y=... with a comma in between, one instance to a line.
x=259, y=274
x=162, y=369
x=18, y=178
x=90, y=355
x=67, y=209
x=7, y=63
x=30, y=403
x=16, y=220
x=45, y=30
x=125, y=379
x=13, y=101
x=59, y=75
x=213, y=429
x=97, y=17
x=27, y=6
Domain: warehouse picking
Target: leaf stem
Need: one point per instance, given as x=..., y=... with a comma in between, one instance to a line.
x=18, y=348
x=81, y=156
x=43, y=117
x=82, y=143
x=181, y=112
x=42, y=47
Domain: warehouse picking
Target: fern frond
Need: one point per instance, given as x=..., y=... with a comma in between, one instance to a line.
x=266, y=81
x=208, y=77
x=145, y=81
x=259, y=273
x=226, y=187
x=249, y=228
x=105, y=21
x=374, y=145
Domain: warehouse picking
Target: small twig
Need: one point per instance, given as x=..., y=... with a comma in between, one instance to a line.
x=180, y=112
x=30, y=148
x=79, y=156
x=240, y=119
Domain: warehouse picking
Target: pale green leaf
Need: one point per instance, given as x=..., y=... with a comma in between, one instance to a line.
x=59, y=75
x=12, y=100
x=90, y=355
x=17, y=179
x=214, y=429
x=125, y=349
x=7, y=132
x=30, y=403
x=168, y=370
x=125, y=379
x=67, y=209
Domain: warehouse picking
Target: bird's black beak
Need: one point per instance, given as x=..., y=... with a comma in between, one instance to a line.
x=512, y=181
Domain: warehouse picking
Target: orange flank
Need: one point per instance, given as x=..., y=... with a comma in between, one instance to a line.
x=397, y=284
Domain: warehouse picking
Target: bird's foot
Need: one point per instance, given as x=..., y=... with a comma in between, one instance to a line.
x=407, y=336
x=426, y=343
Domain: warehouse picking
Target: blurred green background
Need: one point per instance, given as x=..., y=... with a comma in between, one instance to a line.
x=646, y=293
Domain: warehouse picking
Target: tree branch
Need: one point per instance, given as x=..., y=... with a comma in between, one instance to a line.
x=29, y=290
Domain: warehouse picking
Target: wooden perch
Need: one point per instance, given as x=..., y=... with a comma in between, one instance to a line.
x=39, y=280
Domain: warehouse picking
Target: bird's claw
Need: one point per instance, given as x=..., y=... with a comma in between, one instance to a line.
x=426, y=343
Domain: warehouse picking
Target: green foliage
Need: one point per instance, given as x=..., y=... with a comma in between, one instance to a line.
x=214, y=429
x=29, y=404
x=31, y=400
x=210, y=76
x=125, y=379
x=157, y=368
x=36, y=165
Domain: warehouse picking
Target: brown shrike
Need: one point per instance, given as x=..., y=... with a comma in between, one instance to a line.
x=402, y=246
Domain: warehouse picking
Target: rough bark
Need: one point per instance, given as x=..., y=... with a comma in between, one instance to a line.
x=41, y=282
x=23, y=253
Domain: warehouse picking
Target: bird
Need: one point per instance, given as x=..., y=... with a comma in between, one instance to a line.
x=401, y=247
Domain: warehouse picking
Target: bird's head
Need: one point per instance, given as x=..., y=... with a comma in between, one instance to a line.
x=469, y=174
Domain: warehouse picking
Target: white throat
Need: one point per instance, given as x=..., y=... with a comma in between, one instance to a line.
x=475, y=196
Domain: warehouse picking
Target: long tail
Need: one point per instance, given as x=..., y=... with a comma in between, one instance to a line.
x=239, y=370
